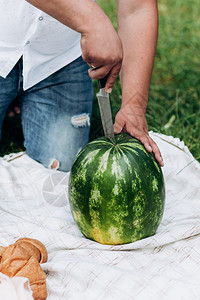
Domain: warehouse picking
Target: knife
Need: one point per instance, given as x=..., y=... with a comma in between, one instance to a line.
x=105, y=110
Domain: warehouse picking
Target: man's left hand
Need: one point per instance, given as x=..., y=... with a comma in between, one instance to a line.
x=132, y=120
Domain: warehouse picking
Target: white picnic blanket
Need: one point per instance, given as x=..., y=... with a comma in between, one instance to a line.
x=33, y=203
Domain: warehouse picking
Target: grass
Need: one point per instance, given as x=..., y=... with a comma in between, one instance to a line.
x=174, y=100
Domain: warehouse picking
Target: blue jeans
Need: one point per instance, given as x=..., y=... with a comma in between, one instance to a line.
x=55, y=113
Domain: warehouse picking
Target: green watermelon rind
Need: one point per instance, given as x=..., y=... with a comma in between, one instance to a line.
x=112, y=202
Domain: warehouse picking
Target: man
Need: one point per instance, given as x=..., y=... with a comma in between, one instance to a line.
x=41, y=65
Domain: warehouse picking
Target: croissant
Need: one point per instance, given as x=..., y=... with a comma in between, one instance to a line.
x=23, y=259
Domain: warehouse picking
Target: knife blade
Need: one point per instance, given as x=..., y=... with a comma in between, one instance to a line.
x=105, y=110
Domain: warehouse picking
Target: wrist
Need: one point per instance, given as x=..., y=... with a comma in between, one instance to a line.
x=91, y=18
x=137, y=101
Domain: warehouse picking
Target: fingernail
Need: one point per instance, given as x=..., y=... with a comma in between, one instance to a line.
x=109, y=90
x=149, y=147
x=161, y=161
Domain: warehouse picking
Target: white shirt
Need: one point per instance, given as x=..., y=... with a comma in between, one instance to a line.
x=45, y=44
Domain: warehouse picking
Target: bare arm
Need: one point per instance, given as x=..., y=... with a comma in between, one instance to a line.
x=138, y=30
x=101, y=46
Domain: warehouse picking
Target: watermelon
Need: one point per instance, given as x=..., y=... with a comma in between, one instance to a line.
x=116, y=191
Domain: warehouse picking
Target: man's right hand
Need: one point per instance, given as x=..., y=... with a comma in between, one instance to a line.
x=102, y=50
x=101, y=45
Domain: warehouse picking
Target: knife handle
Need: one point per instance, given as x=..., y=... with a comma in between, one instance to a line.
x=102, y=82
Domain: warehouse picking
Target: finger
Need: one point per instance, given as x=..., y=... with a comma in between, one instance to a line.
x=156, y=152
x=112, y=76
x=118, y=125
x=148, y=143
x=151, y=146
x=99, y=72
x=117, y=128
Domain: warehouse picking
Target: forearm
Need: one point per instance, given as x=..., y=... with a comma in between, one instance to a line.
x=79, y=15
x=100, y=44
x=138, y=30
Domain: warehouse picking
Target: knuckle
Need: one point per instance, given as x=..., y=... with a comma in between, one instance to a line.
x=118, y=122
x=114, y=74
x=88, y=56
x=143, y=138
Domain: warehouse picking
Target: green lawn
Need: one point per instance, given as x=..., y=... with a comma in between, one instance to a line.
x=174, y=101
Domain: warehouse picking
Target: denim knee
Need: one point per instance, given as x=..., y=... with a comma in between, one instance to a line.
x=56, y=116
x=66, y=137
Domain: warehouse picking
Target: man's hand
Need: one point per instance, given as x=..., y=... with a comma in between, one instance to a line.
x=102, y=50
x=101, y=45
x=131, y=119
